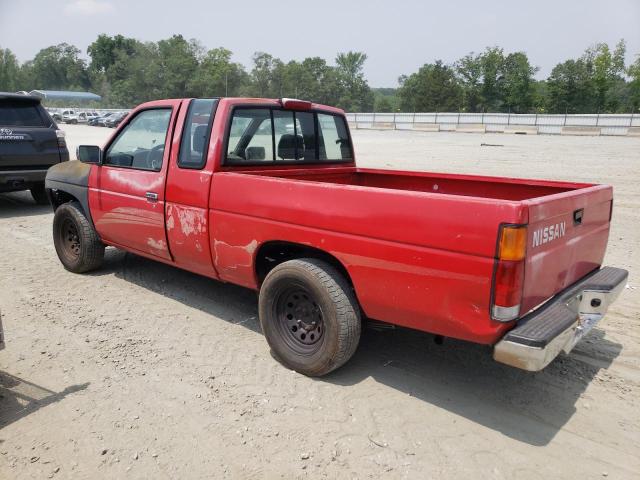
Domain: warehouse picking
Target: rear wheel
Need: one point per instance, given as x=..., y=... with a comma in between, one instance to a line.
x=39, y=194
x=77, y=243
x=309, y=316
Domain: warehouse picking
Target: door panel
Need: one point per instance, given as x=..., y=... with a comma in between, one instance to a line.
x=188, y=184
x=127, y=197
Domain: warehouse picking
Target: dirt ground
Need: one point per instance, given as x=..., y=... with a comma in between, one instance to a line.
x=141, y=370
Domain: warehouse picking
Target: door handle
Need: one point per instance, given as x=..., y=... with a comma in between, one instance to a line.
x=151, y=196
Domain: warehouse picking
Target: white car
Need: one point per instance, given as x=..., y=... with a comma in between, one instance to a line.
x=81, y=117
x=92, y=116
x=68, y=115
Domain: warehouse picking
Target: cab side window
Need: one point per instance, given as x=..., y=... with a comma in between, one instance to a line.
x=250, y=136
x=141, y=144
x=276, y=135
x=288, y=144
x=195, y=136
x=333, y=138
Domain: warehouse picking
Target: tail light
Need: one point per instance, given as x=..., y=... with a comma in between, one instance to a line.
x=61, y=138
x=508, y=277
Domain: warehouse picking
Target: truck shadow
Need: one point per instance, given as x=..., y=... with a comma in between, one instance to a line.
x=458, y=376
x=20, y=204
x=19, y=398
x=229, y=302
x=462, y=378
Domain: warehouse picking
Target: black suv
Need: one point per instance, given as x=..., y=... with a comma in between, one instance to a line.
x=30, y=142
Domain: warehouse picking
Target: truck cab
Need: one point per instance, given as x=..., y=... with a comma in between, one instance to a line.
x=265, y=193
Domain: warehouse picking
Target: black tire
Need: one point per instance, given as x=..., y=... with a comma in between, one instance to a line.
x=310, y=316
x=39, y=194
x=77, y=243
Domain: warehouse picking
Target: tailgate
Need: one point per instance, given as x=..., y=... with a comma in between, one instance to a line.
x=28, y=139
x=567, y=239
x=28, y=148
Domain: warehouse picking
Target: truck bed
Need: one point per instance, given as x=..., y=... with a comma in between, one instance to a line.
x=420, y=247
x=498, y=188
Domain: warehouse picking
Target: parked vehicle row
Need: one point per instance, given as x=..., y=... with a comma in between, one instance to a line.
x=93, y=118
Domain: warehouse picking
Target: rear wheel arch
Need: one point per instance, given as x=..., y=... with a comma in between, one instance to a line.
x=272, y=253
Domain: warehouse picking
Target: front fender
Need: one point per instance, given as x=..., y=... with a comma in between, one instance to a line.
x=69, y=179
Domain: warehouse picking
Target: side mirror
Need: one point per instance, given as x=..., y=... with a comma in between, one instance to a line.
x=89, y=154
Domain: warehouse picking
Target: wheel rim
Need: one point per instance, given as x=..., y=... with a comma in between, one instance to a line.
x=70, y=239
x=300, y=319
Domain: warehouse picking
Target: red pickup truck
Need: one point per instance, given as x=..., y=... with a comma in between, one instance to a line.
x=266, y=194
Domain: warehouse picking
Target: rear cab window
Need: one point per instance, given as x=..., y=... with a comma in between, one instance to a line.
x=195, y=136
x=17, y=113
x=267, y=135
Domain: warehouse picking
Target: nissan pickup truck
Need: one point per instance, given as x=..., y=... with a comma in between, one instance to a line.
x=30, y=142
x=266, y=194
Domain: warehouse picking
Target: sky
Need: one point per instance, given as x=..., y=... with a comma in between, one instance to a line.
x=398, y=36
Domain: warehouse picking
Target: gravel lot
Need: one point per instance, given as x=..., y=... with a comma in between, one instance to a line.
x=141, y=370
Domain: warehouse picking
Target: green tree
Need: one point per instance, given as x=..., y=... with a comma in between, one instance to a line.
x=492, y=65
x=634, y=85
x=134, y=78
x=9, y=71
x=321, y=83
x=58, y=67
x=356, y=94
x=518, y=83
x=469, y=70
x=104, y=49
x=606, y=68
x=383, y=104
x=540, y=94
x=593, y=83
x=111, y=60
x=434, y=88
x=312, y=79
x=570, y=88
x=492, y=81
x=262, y=75
x=385, y=99
x=216, y=75
x=177, y=64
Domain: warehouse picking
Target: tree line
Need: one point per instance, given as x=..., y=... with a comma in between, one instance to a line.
x=126, y=71
x=495, y=81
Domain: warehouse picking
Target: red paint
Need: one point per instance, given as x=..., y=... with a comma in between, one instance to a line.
x=420, y=248
x=117, y=198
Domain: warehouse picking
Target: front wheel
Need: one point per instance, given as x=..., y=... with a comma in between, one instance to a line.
x=310, y=316
x=77, y=243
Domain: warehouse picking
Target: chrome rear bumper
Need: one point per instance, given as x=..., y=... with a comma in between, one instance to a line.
x=560, y=324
